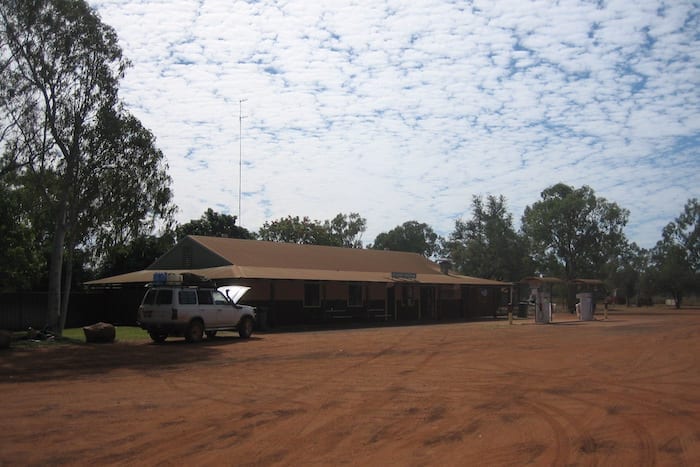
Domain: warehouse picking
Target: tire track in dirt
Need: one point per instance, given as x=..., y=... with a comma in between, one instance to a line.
x=617, y=406
x=571, y=437
x=647, y=403
x=618, y=400
x=301, y=410
x=379, y=395
x=386, y=412
x=540, y=395
x=563, y=442
x=629, y=389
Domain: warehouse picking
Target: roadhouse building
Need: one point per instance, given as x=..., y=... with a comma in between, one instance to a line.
x=303, y=284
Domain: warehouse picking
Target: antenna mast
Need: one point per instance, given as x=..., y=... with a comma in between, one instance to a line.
x=240, y=156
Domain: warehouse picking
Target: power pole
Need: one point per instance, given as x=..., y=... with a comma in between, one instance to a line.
x=240, y=156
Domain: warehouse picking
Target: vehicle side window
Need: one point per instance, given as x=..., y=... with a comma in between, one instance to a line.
x=204, y=297
x=187, y=297
x=165, y=297
x=150, y=297
x=219, y=298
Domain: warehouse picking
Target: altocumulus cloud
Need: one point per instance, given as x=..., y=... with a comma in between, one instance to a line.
x=402, y=110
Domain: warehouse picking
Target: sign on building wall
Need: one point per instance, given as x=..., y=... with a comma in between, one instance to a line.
x=405, y=276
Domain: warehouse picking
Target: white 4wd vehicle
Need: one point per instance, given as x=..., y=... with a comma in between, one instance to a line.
x=192, y=311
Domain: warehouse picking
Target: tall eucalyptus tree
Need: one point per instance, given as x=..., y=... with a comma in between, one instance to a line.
x=487, y=245
x=67, y=138
x=573, y=233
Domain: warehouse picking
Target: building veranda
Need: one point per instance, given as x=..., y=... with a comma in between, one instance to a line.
x=304, y=284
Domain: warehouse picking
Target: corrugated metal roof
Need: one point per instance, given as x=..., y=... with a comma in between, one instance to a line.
x=357, y=276
x=146, y=275
x=253, y=259
x=275, y=255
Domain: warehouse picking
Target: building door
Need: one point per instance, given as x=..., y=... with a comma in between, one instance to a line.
x=427, y=304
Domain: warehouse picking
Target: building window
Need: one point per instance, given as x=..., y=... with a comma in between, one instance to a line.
x=312, y=294
x=354, y=295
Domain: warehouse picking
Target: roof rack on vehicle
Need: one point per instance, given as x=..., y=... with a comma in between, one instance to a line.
x=182, y=279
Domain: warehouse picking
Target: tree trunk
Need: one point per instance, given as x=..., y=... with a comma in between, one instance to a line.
x=67, y=280
x=55, y=271
x=677, y=297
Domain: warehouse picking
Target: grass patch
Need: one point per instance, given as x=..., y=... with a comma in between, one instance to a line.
x=131, y=333
x=24, y=339
x=29, y=340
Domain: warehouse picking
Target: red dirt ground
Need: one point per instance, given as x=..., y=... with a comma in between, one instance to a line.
x=625, y=391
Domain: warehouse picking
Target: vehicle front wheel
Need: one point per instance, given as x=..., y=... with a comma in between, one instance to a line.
x=157, y=337
x=194, y=331
x=245, y=328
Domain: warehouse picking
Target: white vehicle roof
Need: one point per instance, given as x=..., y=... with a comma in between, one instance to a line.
x=234, y=292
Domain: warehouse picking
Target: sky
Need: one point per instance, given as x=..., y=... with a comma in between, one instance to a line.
x=404, y=110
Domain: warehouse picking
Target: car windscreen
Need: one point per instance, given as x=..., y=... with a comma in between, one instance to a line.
x=150, y=297
x=219, y=298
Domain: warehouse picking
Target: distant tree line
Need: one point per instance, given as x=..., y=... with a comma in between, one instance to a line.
x=84, y=188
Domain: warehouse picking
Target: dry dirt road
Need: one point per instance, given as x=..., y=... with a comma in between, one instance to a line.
x=625, y=391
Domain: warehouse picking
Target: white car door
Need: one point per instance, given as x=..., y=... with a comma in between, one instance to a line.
x=228, y=314
x=209, y=311
x=162, y=308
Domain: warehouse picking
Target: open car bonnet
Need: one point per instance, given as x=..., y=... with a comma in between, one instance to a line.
x=234, y=292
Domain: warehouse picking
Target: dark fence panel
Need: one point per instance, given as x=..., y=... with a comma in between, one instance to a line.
x=19, y=311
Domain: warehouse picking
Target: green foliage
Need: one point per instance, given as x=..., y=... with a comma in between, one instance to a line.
x=676, y=257
x=294, y=230
x=573, y=233
x=20, y=258
x=125, y=189
x=136, y=255
x=626, y=273
x=487, y=245
x=686, y=232
x=411, y=236
x=213, y=224
x=346, y=230
x=342, y=231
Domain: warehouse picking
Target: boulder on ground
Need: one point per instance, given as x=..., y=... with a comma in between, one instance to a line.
x=99, y=332
x=5, y=339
